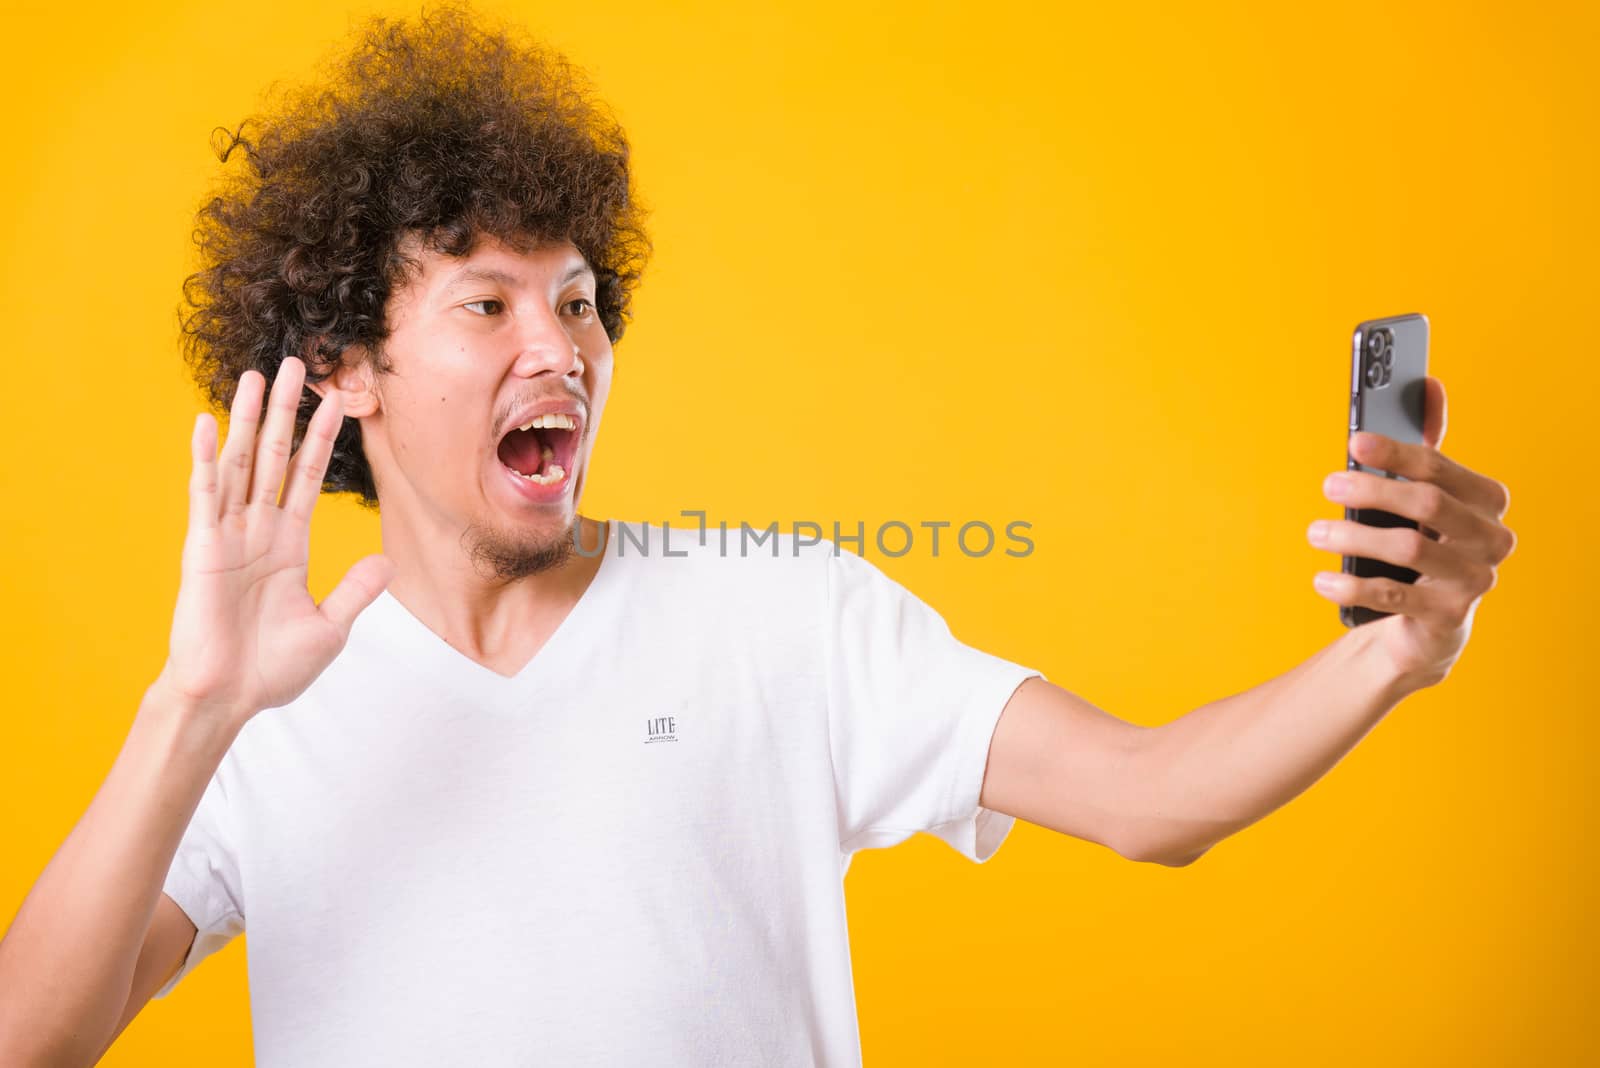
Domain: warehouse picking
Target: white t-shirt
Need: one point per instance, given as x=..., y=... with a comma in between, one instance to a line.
x=630, y=853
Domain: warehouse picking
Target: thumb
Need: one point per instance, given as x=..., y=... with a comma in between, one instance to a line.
x=1433, y=412
x=360, y=586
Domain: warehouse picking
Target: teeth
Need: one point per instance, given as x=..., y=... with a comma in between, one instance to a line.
x=553, y=421
x=553, y=475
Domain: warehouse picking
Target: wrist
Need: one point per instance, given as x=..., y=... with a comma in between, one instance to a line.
x=1368, y=650
x=216, y=716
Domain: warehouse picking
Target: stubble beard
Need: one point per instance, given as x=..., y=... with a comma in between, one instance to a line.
x=497, y=555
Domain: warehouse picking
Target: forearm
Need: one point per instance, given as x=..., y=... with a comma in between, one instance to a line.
x=67, y=961
x=1227, y=764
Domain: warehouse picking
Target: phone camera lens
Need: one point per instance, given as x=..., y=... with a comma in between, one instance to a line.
x=1380, y=358
x=1378, y=344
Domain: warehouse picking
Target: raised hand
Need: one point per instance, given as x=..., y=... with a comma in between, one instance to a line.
x=246, y=633
x=1456, y=553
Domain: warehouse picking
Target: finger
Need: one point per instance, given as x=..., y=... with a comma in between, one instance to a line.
x=303, y=487
x=203, y=475
x=1433, y=412
x=1400, y=546
x=1424, y=502
x=1428, y=603
x=1423, y=463
x=272, y=450
x=358, y=589
x=233, y=469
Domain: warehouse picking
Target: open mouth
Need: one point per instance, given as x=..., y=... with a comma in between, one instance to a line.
x=542, y=450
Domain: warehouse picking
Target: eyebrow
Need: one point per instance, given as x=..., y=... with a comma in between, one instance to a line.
x=493, y=274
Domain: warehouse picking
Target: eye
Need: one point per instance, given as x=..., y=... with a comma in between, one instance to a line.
x=589, y=305
x=498, y=307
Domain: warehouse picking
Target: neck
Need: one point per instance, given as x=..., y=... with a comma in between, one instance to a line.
x=490, y=618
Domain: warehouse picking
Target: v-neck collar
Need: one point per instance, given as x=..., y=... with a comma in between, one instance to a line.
x=419, y=646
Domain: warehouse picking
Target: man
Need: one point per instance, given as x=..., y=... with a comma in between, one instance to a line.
x=513, y=793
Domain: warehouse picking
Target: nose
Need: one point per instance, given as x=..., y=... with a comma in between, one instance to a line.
x=545, y=347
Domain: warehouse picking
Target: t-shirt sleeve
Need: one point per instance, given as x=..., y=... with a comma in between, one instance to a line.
x=911, y=712
x=204, y=880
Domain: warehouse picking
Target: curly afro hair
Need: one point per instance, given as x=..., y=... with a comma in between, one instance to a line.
x=439, y=131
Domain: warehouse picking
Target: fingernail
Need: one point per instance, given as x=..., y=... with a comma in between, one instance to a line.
x=1318, y=533
x=1324, y=581
x=1336, y=486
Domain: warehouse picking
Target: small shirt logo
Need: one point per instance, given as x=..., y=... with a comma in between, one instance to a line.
x=661, y=729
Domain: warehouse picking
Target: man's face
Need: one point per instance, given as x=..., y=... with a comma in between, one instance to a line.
x=479, y=347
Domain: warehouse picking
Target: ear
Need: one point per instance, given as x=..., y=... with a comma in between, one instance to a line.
x=353, y=377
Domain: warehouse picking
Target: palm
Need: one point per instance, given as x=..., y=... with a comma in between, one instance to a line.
x=1416, y=648
x=246, y=633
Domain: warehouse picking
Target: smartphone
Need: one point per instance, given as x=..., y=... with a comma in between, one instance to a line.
x=1388, y=369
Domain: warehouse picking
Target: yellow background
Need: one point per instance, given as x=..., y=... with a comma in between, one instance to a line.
x=1095, y=269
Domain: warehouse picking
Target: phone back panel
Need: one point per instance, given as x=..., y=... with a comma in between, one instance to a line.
x=1389, y=366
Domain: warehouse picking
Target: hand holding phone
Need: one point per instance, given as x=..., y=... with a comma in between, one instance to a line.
x=1389, y=369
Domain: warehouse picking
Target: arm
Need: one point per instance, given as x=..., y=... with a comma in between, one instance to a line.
x=68, y=961
x=166, y=945
x=1169, y=793
x=246, y=636
x=1228, y=764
